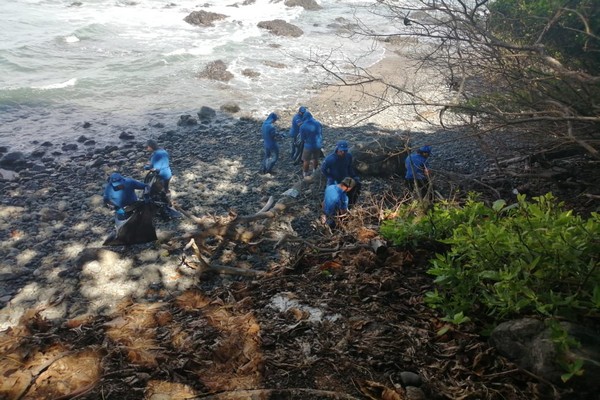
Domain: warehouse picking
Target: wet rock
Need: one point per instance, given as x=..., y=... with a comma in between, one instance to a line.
x=206, y=113
x=81, y=139
x=310, y=5
x=274, y=64
x=279, y=27
x=250, y=73
x=203, y=18
x=87, y=124
x=216, y=70
x=187, y=120
x=230, y=107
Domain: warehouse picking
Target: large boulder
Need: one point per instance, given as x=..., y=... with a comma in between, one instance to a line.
x=310, y=5
x=203, y=18
x=206, y=113
x=281, y=28
x=528, y=342
x=14, y=161
x=216, y=70
x=381, y=157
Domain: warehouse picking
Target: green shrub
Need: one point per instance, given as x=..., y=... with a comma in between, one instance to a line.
x=534, y=258
x=412, y=225
x=505, y=261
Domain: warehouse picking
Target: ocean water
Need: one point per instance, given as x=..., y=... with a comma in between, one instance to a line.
x=128, y=65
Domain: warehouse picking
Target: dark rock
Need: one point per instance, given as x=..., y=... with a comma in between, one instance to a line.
x=81, y=139
x=310, y=5
x=126, y=136
x=512, y=338
x=38, y=167
x=216, y=70
x=47, y=144
x=37, y=153
x=203, y=18
x=410, y=379
x=206, y=113
x=528, y=342
x=187, y=120
x=109, y=148
x=89, y=142
x=87, y=124
x=69, y=147
x=281, y=28
x=14, y=161
x=3, y=149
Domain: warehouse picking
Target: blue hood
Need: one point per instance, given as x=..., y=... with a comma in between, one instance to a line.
x=307, y=115
x=272, y=117
x=116, y=179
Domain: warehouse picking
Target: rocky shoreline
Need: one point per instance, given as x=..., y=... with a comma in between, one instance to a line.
x=52, y=208
x=52, y=217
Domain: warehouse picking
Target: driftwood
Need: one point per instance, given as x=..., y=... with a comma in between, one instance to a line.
x=243, y=229
x=250, y=230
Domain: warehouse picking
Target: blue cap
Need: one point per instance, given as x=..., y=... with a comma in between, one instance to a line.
x=425, y=149
x=273, y=117
x=115, y=179
x=341, y=145
x=302, y=110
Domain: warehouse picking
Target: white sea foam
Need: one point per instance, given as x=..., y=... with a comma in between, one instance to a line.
x=70, y=82
x=143, y=58
x=71, y=39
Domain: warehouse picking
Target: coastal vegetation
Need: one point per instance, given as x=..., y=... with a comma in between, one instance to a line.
x=525, y=67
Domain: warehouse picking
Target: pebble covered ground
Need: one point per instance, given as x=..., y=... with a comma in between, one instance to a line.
x=52, y=213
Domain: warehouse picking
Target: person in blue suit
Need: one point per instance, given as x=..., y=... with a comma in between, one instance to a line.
x=269, y=135
x=339, y=165
x=159, y=163
x=335, y=203
x=120, y=193
x=311, y=133
x=417, y=169
x=296, y=143
x=133, y=218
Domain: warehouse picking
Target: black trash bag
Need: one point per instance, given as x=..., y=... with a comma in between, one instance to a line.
x=298, y=149
x=156, y=191
x=159, y=196
x=137, y=228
